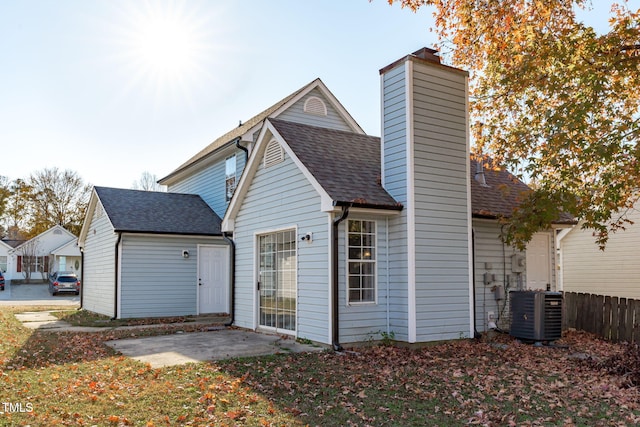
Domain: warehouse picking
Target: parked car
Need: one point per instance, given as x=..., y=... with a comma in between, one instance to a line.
x=64, y=281
x=1, y=281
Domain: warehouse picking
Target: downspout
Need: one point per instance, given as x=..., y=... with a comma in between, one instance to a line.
x=246, y=152
x=335, y=333
x=476, y=334
x=81, y=277
x=115, y=279
x=232, y=261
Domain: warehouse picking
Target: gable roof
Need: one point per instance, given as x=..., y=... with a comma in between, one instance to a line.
x=69, y=249
x=345, y=164
x=256, y=120
x=155, y=212
x=53, y=229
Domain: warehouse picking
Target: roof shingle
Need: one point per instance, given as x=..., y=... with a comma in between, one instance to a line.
x=158, y=213
x=345, y=164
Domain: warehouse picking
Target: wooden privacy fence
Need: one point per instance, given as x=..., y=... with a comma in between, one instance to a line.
x=612, y=318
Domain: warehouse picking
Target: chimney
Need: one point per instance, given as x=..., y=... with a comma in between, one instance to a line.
x=425, y=166
x=427, y=54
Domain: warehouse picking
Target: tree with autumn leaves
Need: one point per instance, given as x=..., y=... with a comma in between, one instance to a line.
x=554, y=101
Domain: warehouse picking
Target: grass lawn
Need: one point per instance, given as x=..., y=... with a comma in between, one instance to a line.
x=49, y=379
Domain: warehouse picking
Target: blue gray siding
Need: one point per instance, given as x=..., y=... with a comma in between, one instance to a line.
x=209, y=182
x=98, y=286
x=332, y=120
x=494, y=257
x=156, y=281
x=280, y=197
x=363, y=322
x=394, y=167
x=441, y=181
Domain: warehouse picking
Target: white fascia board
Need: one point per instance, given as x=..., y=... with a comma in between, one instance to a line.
x=228, y=222
x=87, y=218
x=367, y=211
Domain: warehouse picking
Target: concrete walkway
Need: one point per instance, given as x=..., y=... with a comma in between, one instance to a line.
x=179, y=348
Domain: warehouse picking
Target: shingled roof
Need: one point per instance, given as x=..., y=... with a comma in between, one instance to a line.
x=345, y=164
x=158, y=213
x=498, y=194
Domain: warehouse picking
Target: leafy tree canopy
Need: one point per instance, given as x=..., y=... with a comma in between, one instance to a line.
x=553, y=100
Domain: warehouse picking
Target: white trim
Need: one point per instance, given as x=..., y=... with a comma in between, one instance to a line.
x=367, y=211
x=472, y=309
x=411, y=215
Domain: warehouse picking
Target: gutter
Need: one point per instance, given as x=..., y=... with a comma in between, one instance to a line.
x=335, y=329
x=232, y=261
x=115, y=278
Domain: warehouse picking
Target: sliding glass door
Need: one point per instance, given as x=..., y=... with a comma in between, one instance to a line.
x=277, y=280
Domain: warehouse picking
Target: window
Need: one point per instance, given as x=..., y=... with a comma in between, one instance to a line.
x=230, y=177
x=361, y=261
x=3, y=264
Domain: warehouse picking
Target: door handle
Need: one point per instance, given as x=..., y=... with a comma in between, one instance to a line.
x=199, y=282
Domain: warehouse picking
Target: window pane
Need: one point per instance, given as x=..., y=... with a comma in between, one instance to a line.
x=367, y=268
x=368, y=240
x=354, y=282
x=355, y=253
x=355, y=239
x=354, y=268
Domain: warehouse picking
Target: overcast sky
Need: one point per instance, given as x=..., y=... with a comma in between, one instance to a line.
x=111, y=89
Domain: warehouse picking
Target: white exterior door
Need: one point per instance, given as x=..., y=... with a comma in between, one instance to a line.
x=213, y=279
x=539, y=262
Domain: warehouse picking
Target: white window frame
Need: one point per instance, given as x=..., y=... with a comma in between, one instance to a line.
x=4, y=263
x=373, y=260
x=228, y=194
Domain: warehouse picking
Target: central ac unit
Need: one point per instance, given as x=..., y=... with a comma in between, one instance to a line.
x=536, y=315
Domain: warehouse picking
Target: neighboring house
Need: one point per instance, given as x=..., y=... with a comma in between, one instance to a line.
x=342, y=237
x=152, y=254
x=52, y=250
x=614, y=271
x=5, y=258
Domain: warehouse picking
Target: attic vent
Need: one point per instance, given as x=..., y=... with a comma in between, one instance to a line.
x=273, y=154
x=57, y=232
x=315, y=105
x=99, y=211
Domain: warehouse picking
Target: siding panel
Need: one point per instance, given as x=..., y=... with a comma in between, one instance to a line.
x=98, y=286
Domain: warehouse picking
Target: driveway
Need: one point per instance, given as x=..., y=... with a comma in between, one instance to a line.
x=37, y=294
